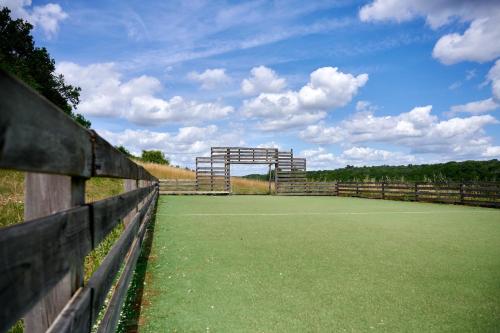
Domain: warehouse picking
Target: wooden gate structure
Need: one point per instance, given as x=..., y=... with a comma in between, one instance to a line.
x=213, y=176
x=42, y=259
x=213, y=173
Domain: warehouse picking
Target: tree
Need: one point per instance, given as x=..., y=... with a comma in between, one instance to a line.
x=154, y=156
x=33, y=65
x=125, y=151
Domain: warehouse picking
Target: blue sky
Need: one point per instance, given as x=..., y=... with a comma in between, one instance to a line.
x=340, y=82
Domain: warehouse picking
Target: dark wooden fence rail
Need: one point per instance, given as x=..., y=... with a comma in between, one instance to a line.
x=467, y=193
x=41, y=260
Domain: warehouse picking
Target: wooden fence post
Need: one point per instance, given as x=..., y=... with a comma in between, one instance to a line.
x=337, y=188
x=270, y=178
x=416, y=191
x=211, y=175
x=461, y=193
x=129, y=185
x=227, y=171
x=276, y=176
x=197, y=186
x=44, y=195
x=383, y=190
x=227, y=177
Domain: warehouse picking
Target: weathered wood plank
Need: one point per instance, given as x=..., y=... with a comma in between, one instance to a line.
x=102, y=280
x=110, y=162
x=108, y=213
x=130, y=185
x=44, y=195
x=37, y=136
x=111, y=316
x=28, y=272
x=144, y=174
x=75, y=317
x=81, y=312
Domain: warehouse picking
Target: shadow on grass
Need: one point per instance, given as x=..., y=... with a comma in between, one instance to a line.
x=129, y=321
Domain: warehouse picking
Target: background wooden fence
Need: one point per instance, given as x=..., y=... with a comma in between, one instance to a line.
x=467, y=193
x=177, y=186
x=41, y=260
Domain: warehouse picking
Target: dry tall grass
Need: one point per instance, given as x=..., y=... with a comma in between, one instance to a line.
x=239, y=185
x=250, y=186
x=167, y=172
x=11, y=197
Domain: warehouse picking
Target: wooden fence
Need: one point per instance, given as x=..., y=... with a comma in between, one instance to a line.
x=467, y=193
x=177, y=186
x=41, y=259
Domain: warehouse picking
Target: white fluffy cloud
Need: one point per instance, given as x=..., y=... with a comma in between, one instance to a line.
x=494, y=77
x=210, y=78
x=479, y=42
x=47, y=17
x=262, y=80
x=366, y=155
x=493, y=151
x=291, y=121
x=322, y=134
x=327, y=88
x=181, y=147
x=320, y=158
x=476, y=107
x=418, y=130
x=270, y=144
x=105, y=93
x=437, y=13
x=362, y=106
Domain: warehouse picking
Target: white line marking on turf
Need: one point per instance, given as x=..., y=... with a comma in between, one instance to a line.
x=312, y=213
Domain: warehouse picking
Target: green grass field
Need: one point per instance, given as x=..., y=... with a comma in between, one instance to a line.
x=321, y=264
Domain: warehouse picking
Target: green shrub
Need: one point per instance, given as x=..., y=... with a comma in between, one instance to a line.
x=154, y=156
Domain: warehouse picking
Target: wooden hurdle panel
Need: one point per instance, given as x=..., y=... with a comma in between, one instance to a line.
x=290, y=174
x=212, y=175
x=244, y=155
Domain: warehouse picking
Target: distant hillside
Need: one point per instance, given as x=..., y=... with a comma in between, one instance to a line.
x=451, y=171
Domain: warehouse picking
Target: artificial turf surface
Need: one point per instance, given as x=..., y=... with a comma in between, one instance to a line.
x=321, y=264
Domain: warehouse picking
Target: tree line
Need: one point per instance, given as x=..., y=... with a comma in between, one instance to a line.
x=440, y=172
